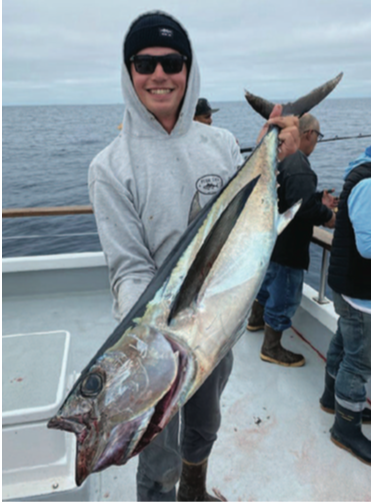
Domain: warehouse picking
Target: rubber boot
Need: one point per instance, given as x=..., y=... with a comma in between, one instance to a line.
x=327, y=400
x=273, y=352
x=347, y=434
x=192, y=485
x=256, y=320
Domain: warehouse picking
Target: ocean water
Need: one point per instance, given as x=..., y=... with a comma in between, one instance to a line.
x=47, y=151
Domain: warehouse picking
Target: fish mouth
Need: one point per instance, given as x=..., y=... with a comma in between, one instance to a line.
x=86, y=441
x=69, y=424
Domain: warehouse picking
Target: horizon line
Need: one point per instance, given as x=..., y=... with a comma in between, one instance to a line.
x=123, y=104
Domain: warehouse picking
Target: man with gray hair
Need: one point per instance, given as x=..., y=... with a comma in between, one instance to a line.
x=281, y=291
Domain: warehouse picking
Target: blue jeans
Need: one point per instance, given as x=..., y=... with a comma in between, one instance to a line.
x=349, y=355
x=160, y=463
x=281, y=294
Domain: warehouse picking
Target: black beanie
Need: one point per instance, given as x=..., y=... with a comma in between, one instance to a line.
x=156, y=30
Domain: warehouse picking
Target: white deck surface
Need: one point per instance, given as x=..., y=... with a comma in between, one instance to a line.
x=274, y=443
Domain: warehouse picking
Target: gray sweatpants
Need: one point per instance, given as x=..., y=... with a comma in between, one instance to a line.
x=160, y=463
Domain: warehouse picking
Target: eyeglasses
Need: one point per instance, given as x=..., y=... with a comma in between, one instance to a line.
x=146, y=64
x=319, y=134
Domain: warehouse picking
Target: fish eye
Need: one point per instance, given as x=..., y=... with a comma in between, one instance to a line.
x=92, y=385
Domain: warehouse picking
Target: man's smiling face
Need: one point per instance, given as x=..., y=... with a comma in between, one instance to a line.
x=161, y=93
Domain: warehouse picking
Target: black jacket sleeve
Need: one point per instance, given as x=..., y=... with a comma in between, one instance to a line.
x=301, y=184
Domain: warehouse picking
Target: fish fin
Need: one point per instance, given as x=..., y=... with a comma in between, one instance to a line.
x=195, y=207
x=210, y=250
x=260, y=105
x=285, y=218
x=298, y=107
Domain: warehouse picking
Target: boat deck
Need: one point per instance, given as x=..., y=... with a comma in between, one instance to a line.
x=274, y=442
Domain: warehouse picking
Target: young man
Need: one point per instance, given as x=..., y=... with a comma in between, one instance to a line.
x=141, y=187
x=204, y=112
x=281, y=291
x=348, y=364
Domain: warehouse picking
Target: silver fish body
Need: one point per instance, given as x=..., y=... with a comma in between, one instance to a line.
x=190, y=316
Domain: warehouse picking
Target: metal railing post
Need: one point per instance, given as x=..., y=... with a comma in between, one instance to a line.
x=321, y=298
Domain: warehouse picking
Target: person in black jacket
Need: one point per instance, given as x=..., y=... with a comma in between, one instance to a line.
x=348, y=365
x=280, y=294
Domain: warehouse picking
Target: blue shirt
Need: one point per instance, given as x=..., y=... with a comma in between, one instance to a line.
x=359, y=207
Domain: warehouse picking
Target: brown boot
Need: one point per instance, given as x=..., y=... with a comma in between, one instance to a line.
x=273, y=352
x=192, y=485
x=256, y=320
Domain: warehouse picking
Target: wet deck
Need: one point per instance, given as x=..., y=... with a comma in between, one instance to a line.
x=274, y=441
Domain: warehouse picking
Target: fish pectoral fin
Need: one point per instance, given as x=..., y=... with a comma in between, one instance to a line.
x=209, y=251
x=195, y=207
x=285, y=218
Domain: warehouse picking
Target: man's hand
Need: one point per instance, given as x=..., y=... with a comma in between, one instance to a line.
x=289, y=134
x=331, y=222
x=329, y=200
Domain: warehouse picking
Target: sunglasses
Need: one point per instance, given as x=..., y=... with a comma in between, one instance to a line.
x=146, y=65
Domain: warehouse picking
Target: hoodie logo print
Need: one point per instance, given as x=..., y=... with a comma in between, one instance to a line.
x=209, y=184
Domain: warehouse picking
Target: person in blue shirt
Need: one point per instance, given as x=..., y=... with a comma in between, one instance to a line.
x=348, y=365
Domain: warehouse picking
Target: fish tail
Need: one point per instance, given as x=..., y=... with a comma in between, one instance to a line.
x=298, y=107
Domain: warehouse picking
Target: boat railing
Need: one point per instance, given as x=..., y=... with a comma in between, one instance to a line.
x=320, y=237
x=323, y=239
x=22, y=212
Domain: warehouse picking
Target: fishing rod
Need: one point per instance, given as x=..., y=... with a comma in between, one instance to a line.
x=335, y=138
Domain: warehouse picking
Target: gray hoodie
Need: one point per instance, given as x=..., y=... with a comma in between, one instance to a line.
x=141, y=187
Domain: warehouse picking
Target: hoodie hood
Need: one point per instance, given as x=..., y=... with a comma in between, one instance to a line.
x=138, y=121
x=362, y=159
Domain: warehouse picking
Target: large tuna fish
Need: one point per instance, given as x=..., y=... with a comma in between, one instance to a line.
x=188, y=318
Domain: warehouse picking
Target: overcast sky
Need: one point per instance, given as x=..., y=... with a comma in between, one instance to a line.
x=69, y=51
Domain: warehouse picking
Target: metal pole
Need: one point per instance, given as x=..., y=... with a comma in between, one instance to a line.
x=321, y=299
